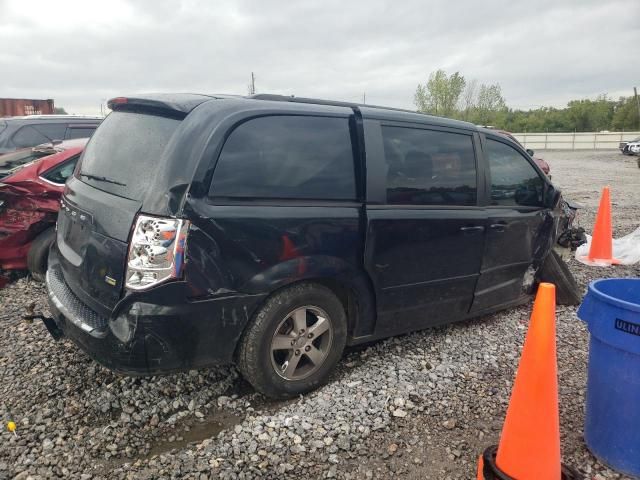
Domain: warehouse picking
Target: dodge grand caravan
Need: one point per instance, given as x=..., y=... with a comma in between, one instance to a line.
x=273, y=231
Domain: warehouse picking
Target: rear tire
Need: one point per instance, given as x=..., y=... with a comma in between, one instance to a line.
x=555, y=270
x=39, y=254
x=279, y=353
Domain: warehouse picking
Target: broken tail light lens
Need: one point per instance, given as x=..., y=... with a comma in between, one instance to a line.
x=156, y=251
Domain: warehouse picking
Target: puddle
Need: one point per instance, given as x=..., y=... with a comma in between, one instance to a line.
x=211, y=425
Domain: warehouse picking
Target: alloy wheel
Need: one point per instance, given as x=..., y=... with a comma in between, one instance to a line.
x=301, y=343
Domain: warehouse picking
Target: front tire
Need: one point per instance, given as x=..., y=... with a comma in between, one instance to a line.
x=556, y=271
x=39, y=254
x=294, y=341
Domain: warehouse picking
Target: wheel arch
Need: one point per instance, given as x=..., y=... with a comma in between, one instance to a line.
x=351, y=285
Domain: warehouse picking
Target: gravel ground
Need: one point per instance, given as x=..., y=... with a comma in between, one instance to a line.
x=418, y=406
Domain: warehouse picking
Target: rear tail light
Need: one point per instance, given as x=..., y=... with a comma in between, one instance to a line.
x=156, y=251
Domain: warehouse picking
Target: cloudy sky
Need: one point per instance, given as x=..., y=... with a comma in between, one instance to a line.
x=542, y=52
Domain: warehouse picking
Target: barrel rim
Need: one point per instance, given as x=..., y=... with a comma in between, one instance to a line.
x=593, y=288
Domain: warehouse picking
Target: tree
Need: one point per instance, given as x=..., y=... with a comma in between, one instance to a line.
x=441, y=94
x=625, y=116
x=489, y=103
x=468, y=101
x=452, y=96
x=591, y=115
x=59, y=111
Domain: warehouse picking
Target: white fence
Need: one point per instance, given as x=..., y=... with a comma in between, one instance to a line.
x=575, y=140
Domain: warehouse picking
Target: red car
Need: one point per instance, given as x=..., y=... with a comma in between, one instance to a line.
x=30, y=190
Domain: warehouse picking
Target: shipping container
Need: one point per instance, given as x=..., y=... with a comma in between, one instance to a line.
x=14, y=107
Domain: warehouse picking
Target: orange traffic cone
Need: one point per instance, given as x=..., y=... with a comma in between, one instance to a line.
x=529, y=447
x=601, y=250
x=479, y=474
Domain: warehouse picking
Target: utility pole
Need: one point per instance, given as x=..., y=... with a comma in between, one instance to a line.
x=364, y=97
x=252, y=85
x=635, y=94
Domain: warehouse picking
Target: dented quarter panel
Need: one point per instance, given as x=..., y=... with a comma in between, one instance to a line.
x=260, y=248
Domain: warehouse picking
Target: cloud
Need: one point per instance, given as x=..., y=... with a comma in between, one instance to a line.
x=541, y=52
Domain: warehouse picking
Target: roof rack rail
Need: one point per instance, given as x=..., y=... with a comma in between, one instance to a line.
x=318, y=101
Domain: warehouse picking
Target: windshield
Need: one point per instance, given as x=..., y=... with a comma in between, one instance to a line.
x=123, y=153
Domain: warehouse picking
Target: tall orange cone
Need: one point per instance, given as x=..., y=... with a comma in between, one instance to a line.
x=529, y=447
x=601, y=250
x=479, y=473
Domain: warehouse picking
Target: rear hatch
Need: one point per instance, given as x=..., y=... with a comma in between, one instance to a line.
x=102, y=199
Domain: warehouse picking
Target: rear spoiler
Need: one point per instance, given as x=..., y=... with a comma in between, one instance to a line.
x=174, y=105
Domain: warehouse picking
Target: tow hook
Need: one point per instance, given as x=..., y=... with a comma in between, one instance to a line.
x=49, y=322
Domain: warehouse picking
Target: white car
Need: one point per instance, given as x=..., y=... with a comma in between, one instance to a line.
x=633, y=148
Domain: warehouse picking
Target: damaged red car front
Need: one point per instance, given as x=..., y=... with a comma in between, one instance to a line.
x=31, y=183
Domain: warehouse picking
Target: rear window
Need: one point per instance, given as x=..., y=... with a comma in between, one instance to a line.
x=19, y=157
x=10, y=163
x=295, y=157
x=123, y=153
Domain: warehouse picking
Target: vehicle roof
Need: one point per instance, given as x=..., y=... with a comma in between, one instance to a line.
x=185, y=102
x=54, y=118
x=497, y=132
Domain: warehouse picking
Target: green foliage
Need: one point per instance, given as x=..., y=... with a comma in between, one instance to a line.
x=59, y=111
x=455, y=97
x=625, y=116
x=590, y=115
x=441, y=94
x=489, y=105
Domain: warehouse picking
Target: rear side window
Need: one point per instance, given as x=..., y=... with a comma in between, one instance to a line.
x=287, y=157
x=79, y=132
x=514, y=181
x=429, y=167
x=122, y=156
x=60, y=173
x=32, y=135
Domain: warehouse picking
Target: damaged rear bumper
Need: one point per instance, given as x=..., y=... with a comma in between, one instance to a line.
x=155, y=332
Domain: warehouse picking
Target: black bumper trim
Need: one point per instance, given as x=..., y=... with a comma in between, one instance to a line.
x=71, y=306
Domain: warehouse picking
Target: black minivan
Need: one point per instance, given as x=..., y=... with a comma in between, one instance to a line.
x=273, y=231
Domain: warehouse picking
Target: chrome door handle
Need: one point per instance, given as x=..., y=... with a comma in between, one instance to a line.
x=498, y=227
x=475, y=229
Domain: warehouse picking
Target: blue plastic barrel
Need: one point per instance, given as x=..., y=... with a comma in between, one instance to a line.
x=611, y=308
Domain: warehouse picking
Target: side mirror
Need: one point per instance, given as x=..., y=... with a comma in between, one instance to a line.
x=530, y=152
x=551, y=196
